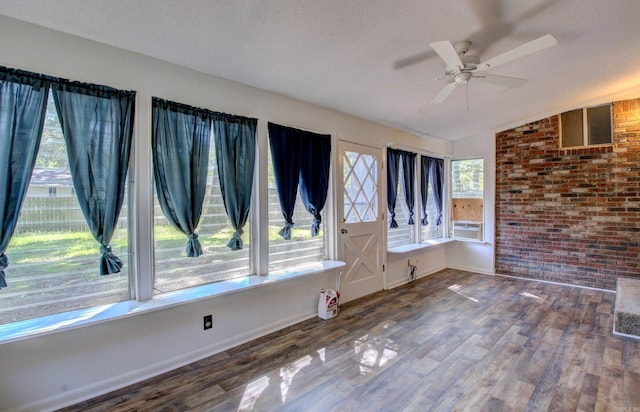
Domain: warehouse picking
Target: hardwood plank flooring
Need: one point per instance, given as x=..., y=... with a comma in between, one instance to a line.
x=452, y=341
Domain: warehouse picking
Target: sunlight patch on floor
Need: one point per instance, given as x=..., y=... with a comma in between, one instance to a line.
x=457, y=289
x=288, y=372
x=252, y=393
x=532, y=296
x=374, y=353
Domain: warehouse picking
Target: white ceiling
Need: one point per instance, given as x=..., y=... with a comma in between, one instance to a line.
x=344, y=54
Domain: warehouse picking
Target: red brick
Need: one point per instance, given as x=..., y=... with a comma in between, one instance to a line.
x=569, y=215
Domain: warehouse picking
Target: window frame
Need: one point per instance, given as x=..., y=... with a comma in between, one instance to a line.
x=417, y=231
x=125, y=253
x=414, y=234
x=262, y=257
x=140, y=249
x=445, y=210
x=585, y=128
x=450, y=197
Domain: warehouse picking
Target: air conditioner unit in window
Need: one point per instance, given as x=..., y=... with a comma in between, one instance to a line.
x=467, y=230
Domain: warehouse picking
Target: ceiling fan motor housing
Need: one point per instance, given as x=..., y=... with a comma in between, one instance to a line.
x=470, y=64
x=462, y=77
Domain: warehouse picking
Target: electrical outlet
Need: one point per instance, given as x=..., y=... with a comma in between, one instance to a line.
x=208, y=322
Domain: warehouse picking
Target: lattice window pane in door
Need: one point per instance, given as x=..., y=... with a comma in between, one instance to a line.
x=360, y=187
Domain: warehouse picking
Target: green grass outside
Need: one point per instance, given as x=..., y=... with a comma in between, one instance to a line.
x=61, y=246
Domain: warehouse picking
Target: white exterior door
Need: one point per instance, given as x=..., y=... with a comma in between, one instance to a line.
x=360, y=217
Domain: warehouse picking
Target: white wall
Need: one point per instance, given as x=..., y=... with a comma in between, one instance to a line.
x=477, y=257
x=427, y=261
x=57, y=369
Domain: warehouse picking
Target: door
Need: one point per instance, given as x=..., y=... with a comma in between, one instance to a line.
x=360, y=218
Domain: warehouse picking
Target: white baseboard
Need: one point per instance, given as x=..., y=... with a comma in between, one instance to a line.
x=472, y=269
x=90, y=391
x=404, y=281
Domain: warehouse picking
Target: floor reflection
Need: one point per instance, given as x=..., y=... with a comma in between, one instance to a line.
x=370, y=354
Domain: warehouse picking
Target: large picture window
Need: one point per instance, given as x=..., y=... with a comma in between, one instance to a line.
x=55, y=258
x=299, y=170
x=204, y=164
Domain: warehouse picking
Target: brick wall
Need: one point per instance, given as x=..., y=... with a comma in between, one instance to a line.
x=570, y=216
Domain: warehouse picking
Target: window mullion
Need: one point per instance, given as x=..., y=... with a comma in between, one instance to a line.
x=141, y=233
x=260, y=206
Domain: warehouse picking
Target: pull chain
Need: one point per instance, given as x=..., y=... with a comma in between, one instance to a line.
x=467, y=96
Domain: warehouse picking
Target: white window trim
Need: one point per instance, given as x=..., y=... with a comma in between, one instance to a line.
x=449, y=196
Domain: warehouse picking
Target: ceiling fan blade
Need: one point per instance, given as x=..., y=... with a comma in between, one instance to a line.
x=444, y=93
x=447, y=52
x=520, y=51
x=411, y=60
x=508, y=82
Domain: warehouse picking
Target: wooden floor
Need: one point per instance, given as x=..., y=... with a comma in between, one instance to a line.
x=451, y=341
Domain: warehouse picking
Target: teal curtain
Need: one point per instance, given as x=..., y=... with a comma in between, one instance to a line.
x=97, y=124
x=180, y=144
x=23, y=104
x=235, y=145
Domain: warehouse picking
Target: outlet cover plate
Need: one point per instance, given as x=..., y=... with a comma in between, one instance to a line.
x=208, y=322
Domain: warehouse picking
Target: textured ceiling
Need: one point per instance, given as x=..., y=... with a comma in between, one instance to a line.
x=372, y=59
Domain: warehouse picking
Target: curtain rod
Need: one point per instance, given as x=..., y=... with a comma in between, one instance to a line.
x=418, y=151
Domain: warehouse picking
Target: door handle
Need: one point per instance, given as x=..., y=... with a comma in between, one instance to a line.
x=343, y=231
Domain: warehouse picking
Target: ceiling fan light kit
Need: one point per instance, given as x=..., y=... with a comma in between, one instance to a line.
x=461, y=67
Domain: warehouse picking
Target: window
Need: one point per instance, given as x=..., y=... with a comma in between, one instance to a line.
x=404, y=233
x=302, y=247
x=431, y=230
x=195, y=241
x=360, y=174
x=586, y=127
x=53, y=256
x=467, y=192
x=55, y=261
x=427, y=218
x=174, y=269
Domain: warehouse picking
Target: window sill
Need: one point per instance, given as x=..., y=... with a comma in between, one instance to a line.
x=412, y=247
x=468, y=240
x=74, y=319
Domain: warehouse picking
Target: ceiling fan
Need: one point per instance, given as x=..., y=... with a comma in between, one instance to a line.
x=461, y=67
